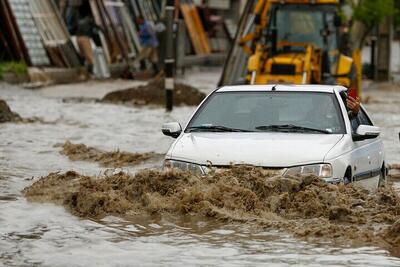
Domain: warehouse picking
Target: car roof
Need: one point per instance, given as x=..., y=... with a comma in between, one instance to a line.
x=283, y=87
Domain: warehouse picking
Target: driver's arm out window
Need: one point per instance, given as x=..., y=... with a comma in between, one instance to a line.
x=354, y=121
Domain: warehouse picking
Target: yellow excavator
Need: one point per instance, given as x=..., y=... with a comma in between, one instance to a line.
x=293, y=42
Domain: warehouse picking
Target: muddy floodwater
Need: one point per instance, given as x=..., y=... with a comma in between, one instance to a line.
x=44, y=234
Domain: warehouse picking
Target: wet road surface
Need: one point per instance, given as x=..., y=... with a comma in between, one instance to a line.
x=33, y=234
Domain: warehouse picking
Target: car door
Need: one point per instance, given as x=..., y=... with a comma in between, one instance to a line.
x=375, y=145
x=367, y=155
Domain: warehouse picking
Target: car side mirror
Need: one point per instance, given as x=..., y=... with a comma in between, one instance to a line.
x=365, y=132
x=172, y=129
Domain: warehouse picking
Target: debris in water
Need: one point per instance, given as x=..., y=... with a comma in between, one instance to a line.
x=394, y=167
x=154, y=93
x=113, y=159
x=392, y=236
x=304, y=206
x=6, y=115
x=394, y=171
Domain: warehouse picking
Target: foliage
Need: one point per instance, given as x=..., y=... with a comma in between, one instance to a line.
x=396, y=15
x=372, y=12
x=15, y=67
x=369, y=14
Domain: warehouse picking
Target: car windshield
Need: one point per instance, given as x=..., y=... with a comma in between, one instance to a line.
x=300, y=112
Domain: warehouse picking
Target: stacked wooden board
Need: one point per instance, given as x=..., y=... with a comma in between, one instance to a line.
x=24, y=25
x=42, y=39
x=119, y=38
x=195, y=28
x=126, y=40
x=54, y=34
x=151, y=10
x=38, y=34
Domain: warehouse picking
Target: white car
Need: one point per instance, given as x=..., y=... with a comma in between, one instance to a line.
x=293, y=129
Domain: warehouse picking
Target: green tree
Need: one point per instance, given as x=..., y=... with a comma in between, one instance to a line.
x=396, y=15
x=370, y=13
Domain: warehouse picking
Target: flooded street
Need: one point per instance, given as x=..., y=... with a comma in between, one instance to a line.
x=36, y=234
x=384, y=108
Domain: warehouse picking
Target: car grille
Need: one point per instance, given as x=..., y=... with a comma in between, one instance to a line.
x=267, y=171
x=283, y=69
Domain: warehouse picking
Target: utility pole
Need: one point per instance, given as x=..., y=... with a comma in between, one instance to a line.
x=169, y=63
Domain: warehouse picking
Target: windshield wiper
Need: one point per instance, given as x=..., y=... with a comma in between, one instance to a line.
x=289, y=127
x=215, y=128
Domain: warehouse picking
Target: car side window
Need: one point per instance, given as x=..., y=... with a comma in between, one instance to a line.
x=355, y=122
x=363, y=118
x=360, y=119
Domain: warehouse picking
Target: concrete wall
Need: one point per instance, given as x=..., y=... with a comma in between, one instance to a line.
x=394, y=59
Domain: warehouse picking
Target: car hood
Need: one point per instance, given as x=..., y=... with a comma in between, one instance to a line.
x=259, y=149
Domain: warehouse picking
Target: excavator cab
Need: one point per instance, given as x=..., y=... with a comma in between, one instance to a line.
x=294, y=42
x=301, y=45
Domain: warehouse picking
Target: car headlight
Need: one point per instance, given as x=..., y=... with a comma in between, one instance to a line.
x=184, y=166
x=320, y=170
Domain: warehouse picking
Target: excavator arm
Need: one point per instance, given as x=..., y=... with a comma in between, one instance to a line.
x=261, y=10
